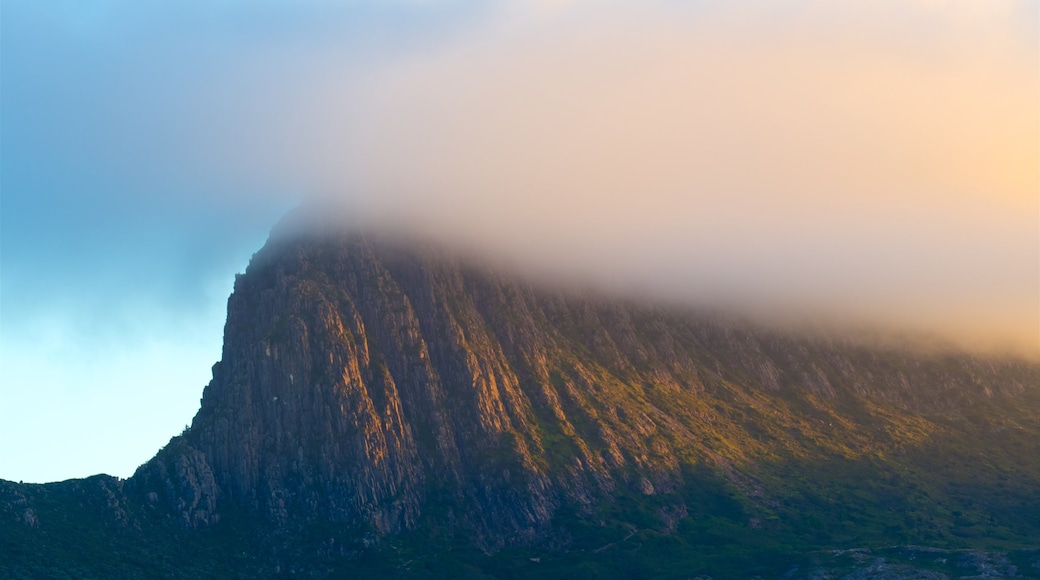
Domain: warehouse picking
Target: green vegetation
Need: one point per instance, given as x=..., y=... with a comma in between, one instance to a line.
x=811, y=514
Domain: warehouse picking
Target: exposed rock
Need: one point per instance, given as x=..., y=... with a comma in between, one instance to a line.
x=382, y=408
x=29, y=518
x=361, y=380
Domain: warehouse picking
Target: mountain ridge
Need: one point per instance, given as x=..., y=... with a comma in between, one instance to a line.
x=409, y=329
x=388, y=389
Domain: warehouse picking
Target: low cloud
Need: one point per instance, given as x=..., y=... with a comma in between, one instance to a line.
x=872, y=165
x=876, y=162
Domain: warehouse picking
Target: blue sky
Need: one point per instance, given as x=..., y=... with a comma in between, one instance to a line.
x=127, y=207
x=114, y=275
x=801, y=156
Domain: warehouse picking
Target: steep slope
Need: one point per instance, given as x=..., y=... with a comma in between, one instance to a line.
x=386, y=389
x=359, y=380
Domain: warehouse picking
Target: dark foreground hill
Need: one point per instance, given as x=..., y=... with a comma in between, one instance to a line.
x=385, y=409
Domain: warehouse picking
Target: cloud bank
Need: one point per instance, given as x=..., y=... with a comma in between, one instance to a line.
x=873, y=160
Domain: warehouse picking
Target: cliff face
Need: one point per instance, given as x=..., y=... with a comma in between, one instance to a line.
x=375, y=384
x=383, y=409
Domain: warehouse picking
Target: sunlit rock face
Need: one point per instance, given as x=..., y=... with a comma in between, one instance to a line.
x=381, y=384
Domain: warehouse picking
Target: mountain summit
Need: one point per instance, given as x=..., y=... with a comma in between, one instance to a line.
x=378, y=401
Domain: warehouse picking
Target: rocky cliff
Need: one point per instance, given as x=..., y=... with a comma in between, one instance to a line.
x=383, y=408
x=371, y=383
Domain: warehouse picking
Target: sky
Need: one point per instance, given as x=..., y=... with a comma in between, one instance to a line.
x=863, y=162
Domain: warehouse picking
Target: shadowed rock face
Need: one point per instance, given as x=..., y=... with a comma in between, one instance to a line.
x=372, y=383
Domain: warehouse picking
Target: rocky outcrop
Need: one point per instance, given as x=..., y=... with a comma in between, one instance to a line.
x=364, y=381
x=179, y=480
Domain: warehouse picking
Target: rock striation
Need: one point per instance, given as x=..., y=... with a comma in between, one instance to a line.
x=375, y=384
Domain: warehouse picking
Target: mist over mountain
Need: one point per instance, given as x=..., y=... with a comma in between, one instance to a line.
x=385, y=406
x=858, y=164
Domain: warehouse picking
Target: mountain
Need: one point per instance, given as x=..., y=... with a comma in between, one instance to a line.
x=385, y=407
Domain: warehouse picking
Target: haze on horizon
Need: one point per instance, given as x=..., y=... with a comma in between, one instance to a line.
x=865, y=162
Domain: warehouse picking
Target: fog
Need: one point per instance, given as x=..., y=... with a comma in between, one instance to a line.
x=871, y=166
x=859, y=162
